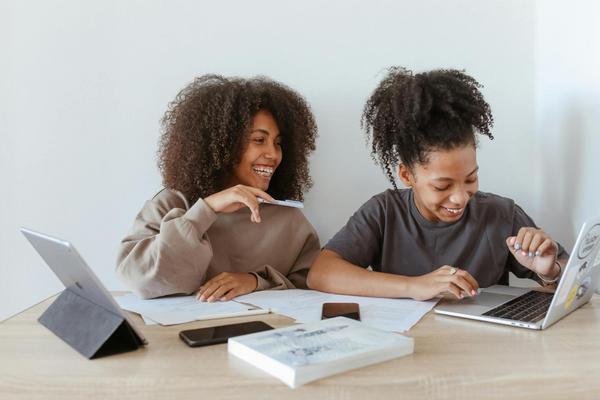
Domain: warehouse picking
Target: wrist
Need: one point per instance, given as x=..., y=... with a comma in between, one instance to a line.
x=552, y=278
x=210, y=203
x=254, y=280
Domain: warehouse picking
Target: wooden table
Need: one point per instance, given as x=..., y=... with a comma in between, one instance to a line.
x=453, y=359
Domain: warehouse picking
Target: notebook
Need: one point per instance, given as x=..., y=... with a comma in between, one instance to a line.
x=536, y=309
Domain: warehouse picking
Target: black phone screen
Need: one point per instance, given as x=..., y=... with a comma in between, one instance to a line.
x=220, y=334
x=348, y=310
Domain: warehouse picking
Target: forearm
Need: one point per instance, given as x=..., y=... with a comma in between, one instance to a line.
x=153, y=268
x=168, y=256
x=331, y=273
x=268, y=277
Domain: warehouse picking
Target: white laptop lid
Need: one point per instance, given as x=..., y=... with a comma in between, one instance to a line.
x=576, y=287
x=580, y=277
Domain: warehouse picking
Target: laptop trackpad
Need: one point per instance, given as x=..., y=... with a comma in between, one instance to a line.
x=488, y=299
x=477, y=305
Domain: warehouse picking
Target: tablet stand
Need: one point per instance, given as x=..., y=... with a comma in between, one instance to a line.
x=87, y=327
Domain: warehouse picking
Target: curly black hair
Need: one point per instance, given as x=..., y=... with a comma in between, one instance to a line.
x=205, y=131
x=408, y=116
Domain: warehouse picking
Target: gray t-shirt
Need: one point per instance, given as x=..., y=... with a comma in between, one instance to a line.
x=389, y=234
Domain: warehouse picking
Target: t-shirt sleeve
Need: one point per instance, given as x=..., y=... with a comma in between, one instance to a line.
x=520, y=220
x=359, y=241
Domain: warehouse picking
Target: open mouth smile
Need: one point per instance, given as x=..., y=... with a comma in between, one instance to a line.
x=263, y=171
x=454, y=211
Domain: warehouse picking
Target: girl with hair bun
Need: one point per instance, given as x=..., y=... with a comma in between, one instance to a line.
x=440, y=234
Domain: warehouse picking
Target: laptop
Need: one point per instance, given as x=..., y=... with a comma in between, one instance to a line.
x=536, y=309
x=74, y=273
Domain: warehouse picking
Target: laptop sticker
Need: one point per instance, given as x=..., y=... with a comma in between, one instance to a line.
x=571, y=296
x=583, y=287
x=589, y=242
x=567, y=284
x=596, y=262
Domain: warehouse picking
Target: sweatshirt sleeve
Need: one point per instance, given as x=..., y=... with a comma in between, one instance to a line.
x=269, y=277
x=167, y=250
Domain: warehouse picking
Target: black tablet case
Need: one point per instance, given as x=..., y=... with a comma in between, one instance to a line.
x=87, y=327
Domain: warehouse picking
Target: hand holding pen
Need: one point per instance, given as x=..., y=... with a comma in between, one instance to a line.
x=236, y=197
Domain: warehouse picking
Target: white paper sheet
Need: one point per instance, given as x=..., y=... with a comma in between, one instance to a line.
x=304, y=306
x=148, y=321
x=182, y=309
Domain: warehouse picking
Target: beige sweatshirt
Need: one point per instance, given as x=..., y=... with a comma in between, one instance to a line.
x=174, y=247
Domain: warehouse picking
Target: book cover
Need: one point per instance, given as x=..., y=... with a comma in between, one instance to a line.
x=303, y=353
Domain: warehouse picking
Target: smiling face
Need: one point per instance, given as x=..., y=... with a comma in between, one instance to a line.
x=444, y=185
x=262, y=154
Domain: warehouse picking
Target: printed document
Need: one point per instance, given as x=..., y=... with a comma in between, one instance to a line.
x=182, y=309
x=397, y=315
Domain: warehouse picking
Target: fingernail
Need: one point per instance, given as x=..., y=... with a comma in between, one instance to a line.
x=537, y=253
x=517, y=246
x=523, y=253
x=473, y=292
x=530, y=254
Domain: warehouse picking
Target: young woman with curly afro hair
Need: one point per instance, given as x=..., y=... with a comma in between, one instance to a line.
x=227, y=144
x=441, y=234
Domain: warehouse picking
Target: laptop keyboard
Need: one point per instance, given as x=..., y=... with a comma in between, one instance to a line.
x=530, y=307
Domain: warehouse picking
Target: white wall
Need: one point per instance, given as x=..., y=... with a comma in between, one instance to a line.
x=567, y=103
x=83, y=85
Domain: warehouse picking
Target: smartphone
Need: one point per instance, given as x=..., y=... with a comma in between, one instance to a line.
x=348, y=310
x=220, y=334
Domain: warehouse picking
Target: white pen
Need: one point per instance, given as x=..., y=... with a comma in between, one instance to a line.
x=286, y=203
